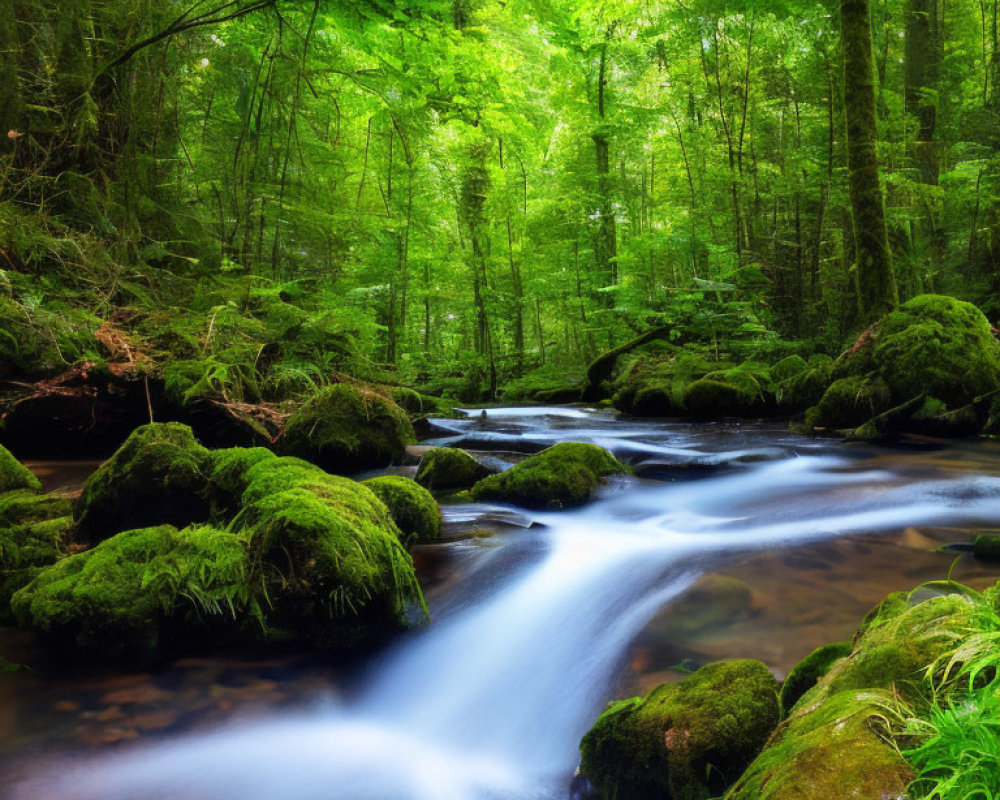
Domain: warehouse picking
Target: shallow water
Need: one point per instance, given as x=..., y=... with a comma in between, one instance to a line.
x=535, y=627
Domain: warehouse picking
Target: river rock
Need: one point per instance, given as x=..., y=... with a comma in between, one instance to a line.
x=683, y=741
x=449, y=468
x=413, y=508
x=560, y=476
x=346, y=429
x=159, y=476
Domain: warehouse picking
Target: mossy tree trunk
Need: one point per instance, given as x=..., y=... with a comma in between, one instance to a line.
x=876, y=283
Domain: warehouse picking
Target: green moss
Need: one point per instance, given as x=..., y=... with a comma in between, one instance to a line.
x=121, y=600
x=14, y=475
x=829, y=751
x=986, y=546
x=336, y=571
x=159, y=476
x=33, y=533
x=413, y=509
x=345, y=429
x=788, y=367
x=709, y=397
x=657, y=401
x=849, y=402
x=274, y=475
x=561, y=476
x=228, y=476
x=685, y=741
x=932, y=345
x=809, y=670
x=835, y=742
x=804, y=389
x=446, y=468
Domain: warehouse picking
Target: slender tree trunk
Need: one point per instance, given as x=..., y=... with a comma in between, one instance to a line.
x=876, y=283
x=606, y=240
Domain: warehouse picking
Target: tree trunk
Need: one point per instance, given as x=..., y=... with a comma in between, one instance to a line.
x=876, y=283
x=606, y=240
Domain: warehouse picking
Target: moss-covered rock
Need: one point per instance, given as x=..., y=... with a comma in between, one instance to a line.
x=122, y=599
x=809, y=670
x=986, y=546
x=932, y=345
x=836, y=740
x=829, y=751
x=228, y=470
x=560, y=476
x=849, y=402
x=158, y=476
x=346, y=429
x=788, y=367
x=33, y=532
x=413, y=508
x=336, y=571
x=709, y=397
x=448, y=468
x=804, y=389
x=683, y=741
x=14, y=475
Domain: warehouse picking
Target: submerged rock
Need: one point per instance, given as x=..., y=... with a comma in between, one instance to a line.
x=158, y=477
x=413, y=508
x=560, y=476
x=448, y=468
x=683, y=741
x=345, y=429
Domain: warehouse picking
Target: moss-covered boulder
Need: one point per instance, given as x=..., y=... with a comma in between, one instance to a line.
x=836, y=741
x=560, y=476
x=708, y=397
x=14, y=475
x=130, y=596
x=849, y=402
x=346, y=429
x=986, y=546
x=413, y=508
x=33, y=532
x=159, y=476
x=336, y=572
x=228, y=476
x=809, y=670
x=739, y=391
x=788, y=367
x=683, y=741
x=449, y=468
x=803, y=389
x=932, y=345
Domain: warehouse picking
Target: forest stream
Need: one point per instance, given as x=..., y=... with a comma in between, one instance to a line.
x=538, y=618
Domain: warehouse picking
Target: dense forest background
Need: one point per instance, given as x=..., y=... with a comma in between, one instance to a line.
x=252, y=196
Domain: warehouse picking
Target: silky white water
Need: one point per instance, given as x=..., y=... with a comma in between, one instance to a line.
x=490, y=700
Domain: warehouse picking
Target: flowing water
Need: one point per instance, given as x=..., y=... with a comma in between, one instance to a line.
x=535, y=627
